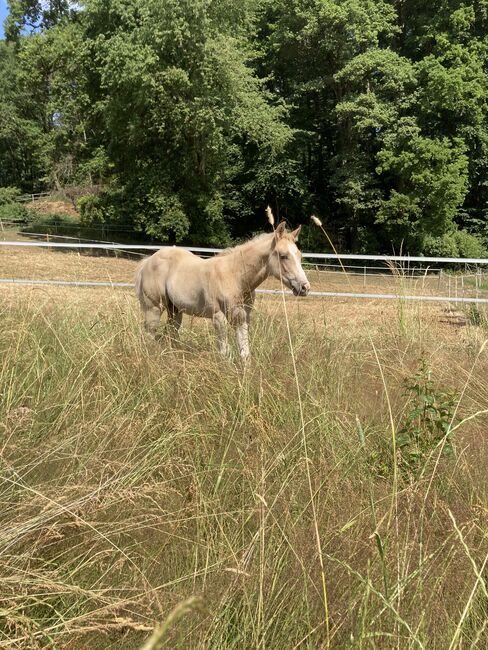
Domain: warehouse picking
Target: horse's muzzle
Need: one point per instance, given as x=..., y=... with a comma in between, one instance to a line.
x=300, y=289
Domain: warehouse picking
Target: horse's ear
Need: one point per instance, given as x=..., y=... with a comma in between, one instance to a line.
x=280, y=230
x=296, y=232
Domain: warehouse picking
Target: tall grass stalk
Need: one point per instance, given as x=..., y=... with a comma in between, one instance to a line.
x=307, y=466
x=394, y=499
x=136, y=477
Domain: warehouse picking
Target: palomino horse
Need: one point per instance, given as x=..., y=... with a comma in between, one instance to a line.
x=221, y=288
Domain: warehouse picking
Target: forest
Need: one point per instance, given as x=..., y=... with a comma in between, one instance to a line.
x=183, y=119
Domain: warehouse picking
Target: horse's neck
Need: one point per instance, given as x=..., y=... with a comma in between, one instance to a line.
x=253, y=265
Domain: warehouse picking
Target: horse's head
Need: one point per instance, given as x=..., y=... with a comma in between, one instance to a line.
x=285, y=260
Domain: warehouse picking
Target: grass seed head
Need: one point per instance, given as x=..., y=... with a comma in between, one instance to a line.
x=316, y=220
x=270, y=216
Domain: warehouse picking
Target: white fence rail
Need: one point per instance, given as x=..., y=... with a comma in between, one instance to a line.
x=203, y=250
x=198, y=249
x=317, y=294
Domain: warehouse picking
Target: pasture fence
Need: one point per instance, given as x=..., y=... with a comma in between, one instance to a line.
x=317, y=294
x=25, y=198
x=205, y=250
x=329, y=261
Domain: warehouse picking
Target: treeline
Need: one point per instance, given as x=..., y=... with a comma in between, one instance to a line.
x=184, y=118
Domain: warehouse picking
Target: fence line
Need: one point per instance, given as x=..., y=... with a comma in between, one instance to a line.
x=330, y=268
x=198, y=249
x=316, y=294
x=108, y=247
x=78, y=239
x=64, y=226
x=32, y=197
x=334, y=268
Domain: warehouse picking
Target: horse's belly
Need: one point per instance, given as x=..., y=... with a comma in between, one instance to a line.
x=203, y=312
x=197, y=308
x=192, y=302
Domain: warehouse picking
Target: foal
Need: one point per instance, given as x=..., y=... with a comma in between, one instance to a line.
x=222, y=287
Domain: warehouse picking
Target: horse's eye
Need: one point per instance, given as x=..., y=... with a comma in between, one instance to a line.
x=283, y=257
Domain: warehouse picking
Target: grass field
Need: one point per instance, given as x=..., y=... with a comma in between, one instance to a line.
x=331, y=495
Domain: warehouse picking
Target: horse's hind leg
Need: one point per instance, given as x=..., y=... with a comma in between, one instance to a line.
x=152, y=316
x=174, y=323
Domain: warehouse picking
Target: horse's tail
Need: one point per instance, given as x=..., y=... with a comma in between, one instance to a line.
x=138, y=282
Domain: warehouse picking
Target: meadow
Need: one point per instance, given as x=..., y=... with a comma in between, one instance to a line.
x=332, y=494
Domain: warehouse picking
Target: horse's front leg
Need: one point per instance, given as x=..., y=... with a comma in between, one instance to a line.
x=240, y=320
x=248, y=306
x=220, y=324
x=242, y=336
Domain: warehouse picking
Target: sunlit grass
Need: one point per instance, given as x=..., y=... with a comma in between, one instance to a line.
x=149, y=488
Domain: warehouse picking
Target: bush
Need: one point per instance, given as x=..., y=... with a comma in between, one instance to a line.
x=428, y=423
x=468, y=245
x=163, y=217
x=8, y=195
x=110, y=207
x=454, y=244
x=13, y=212
x=10, y=209
x=92, y=209
x=444, y=246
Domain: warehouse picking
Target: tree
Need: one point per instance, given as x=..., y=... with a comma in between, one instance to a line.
x=23, y=146
x=181, y=105
x=183, y=118
x=34, y=15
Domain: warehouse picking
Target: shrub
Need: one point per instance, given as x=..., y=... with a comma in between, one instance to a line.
x=458, y=243
x=468, y=245
x=13, y=212
x=428, y=423
x=92, y=209
x=444, y=246
x=8, y=195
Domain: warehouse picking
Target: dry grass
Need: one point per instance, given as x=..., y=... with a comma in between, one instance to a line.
x=42, y=264
x=152, y=487
x=45, y=206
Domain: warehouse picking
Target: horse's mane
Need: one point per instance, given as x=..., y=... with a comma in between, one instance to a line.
x=241, y=247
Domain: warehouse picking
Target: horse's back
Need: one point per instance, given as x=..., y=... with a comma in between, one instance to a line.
x=172, y=261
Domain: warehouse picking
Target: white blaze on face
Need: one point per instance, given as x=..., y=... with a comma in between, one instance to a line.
x=295, y=256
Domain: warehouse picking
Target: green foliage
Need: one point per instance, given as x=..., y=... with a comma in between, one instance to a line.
x=108, y=208
x=13, y=212
x=166, y=218
x=10, y=209
x=91, y=209
x=23, y=160
x=469, y=245
x=180, y=106
x=187, y=117
x=427, y=426
x=8, y=194
x=454, y=244
x=430, y=180
x=477, y=315
x=30, y=15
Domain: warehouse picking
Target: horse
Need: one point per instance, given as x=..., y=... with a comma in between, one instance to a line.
x=221, y=288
